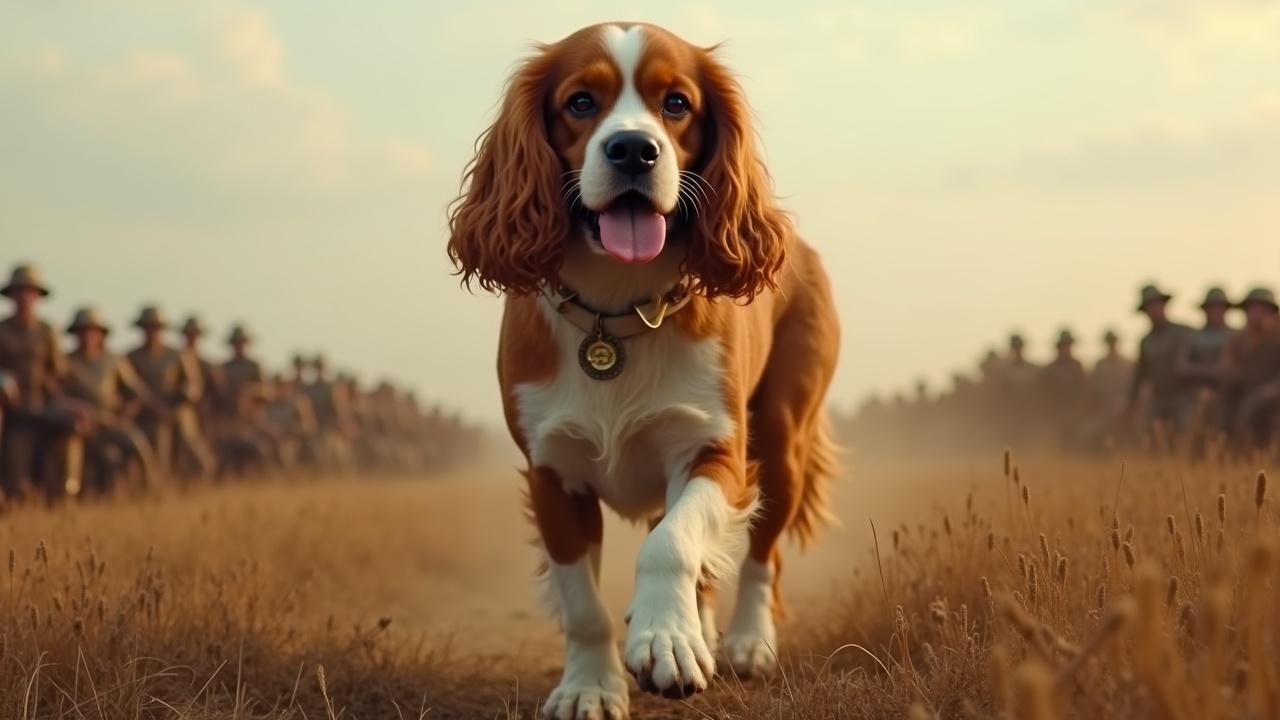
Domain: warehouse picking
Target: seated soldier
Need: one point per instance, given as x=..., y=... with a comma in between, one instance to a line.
x=107, y=383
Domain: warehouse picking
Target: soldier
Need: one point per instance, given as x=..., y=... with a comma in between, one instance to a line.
x=291, y=421
x=1064, y=385
x=1202, y=363
x=243, y=374
x=300, y=366
x=213, y=384
x=1253, y=356
x=1111, y=376
x=42, y=434
x=1109, y=384
x=1157, y=366
x=172, y=381
x=195, y=422
x=1018, y=383
x=107, y=383
x=334, y=417
x=245, y=444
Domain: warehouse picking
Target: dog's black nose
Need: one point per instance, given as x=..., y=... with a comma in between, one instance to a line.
x=632, y=152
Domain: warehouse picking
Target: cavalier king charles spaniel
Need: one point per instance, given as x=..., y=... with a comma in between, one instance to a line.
x=665, y=350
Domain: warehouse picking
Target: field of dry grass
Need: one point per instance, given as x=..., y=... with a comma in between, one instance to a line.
x=1055, y=588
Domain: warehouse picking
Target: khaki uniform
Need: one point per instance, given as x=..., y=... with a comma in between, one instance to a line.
x=173, y=384
x=1171, y=399
x=1110, y=380
x=334, y=419
x=213, y=388
x=246, y=443
x=1064, y=387
x=1255, y=362
x=293, y=423
x=243, y=377
x=104, y=383
x=32, y=357
x=1203, y=365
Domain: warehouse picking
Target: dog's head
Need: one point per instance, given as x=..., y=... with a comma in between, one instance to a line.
x=630, y=140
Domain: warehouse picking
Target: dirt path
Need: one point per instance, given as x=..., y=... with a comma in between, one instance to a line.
x=484, y=597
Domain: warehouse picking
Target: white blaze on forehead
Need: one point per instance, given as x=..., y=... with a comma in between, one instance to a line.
x=629, y=113
x=600, y=183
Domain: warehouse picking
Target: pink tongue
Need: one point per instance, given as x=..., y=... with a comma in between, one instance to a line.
x=631, y=234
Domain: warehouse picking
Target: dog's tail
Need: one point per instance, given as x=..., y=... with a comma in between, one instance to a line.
x=821, y=466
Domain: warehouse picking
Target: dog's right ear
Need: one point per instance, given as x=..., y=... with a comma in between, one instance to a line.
x=508, y=224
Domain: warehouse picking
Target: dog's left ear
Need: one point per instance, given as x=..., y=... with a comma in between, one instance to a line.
x=741, y=234
x=508, y=225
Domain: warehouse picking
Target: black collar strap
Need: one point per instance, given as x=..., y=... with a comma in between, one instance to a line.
x=641, y=319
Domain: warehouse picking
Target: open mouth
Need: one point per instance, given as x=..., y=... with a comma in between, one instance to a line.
x=630, y=229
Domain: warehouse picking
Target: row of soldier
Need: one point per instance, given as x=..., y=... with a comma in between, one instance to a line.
x=91, y=420
x=1217, y=384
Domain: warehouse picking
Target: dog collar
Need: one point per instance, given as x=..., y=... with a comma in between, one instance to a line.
x=601, y=354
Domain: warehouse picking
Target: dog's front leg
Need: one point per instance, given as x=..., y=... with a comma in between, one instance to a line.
x=593, y=686
x=666, y=649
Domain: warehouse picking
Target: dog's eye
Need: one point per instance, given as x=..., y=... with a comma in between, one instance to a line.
x=582, y=104
x=675, y=105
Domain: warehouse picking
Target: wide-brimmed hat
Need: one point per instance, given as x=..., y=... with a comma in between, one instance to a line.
x=1215, y=296
x=151, y=317
x=25, y=276
x=193, y=326
x=1150, y=294
x=1259, y=296
x=1065, y=337
x=88, y=318
x=238, y=334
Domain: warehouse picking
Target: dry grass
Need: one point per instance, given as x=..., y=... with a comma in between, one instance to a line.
x=1049, y=588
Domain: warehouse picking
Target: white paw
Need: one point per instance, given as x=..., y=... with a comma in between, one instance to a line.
x=750, y=655
x=752, y=640
x=588, y=696
x=666, y=651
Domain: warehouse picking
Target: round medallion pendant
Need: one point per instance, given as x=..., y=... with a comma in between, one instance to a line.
x=601, y=356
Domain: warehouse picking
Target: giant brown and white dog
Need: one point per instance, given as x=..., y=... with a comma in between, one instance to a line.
x=666, y=347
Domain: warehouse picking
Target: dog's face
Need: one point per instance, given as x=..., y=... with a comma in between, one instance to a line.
x=627, y=120
x=619, y=135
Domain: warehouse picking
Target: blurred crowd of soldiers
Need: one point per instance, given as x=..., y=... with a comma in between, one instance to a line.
x=91, y=421
x=1212, y=386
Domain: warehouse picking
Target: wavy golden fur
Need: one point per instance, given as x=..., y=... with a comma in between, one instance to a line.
x=741, y=234
x=507, y=225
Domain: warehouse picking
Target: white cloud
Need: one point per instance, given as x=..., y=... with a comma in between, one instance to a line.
x=1195, y=37
x=249, y=41
x=223, y=111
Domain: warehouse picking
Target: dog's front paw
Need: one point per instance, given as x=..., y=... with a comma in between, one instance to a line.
x=666, y=650
x=750, y=655
x=588, y=693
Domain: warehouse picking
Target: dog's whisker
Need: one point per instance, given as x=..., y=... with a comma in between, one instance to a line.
x=696, y=193
x=691, y=181
x=700, y=181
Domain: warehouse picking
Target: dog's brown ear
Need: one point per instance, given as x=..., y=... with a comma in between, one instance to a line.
x=507, y=225
x=741, y=233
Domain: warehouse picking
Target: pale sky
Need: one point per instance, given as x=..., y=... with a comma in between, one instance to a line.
x=965, y=168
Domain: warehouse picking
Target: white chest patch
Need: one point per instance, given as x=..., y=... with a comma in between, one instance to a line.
x=625, y=438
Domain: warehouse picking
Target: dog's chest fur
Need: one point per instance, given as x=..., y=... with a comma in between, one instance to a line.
x=624, y=438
